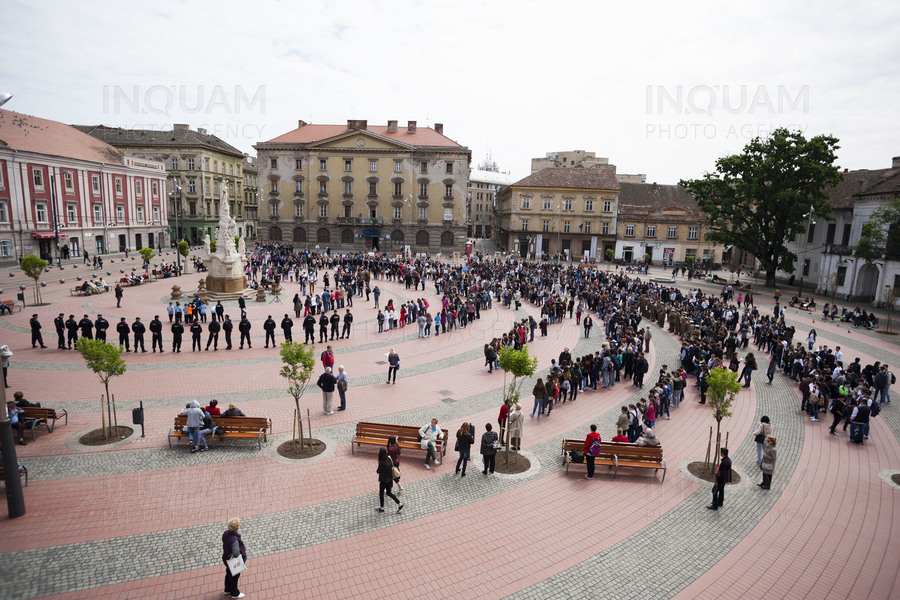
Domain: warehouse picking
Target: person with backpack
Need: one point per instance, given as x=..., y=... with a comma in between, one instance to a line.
x=592, y=445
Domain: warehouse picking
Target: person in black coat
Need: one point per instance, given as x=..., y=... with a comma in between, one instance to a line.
x=60, y=324
x=323, y=328
x=123, y=329
x=244, y=327
x=269, y=327
x=348, y=320
x=36, y=338
x=177, y=331
x=118, y=295
x=243, y=306
x=72, y=331
x=196, y=332
x=219, y=311
x=335, y=324
x=156, y=333
x=100, y=326
x=214, y=328
x=87, y=327
x=309, y=329
x=138, y=329
x=723, y=476
x=286, y=325
x=227, y=327
x=385, y=472
x=465, y=437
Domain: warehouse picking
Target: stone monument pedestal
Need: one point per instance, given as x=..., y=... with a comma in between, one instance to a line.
x=226, y=285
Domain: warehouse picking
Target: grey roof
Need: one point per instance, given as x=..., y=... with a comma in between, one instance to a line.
x=172, y=138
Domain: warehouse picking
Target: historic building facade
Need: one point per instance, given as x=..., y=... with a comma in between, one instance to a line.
x=62, y=189
x=662, y=224
x=199, y=167
x=250, y=173
x=566, y=212
x=362, y=187
x=484, y=184
x=573, y=159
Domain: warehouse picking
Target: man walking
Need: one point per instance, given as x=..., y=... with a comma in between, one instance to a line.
x=723, y=476
x=327, y=383
x=156, y=333
x=343, y=382
x=118, y=295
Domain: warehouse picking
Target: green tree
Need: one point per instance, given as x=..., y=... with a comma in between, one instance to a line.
x=299, y=361
x=756, y=200
x=724, y=385
x=34, y=266
x=880, y=232
x=104, y=359
x=519, y=364
x=147, y=255
x=184, y=250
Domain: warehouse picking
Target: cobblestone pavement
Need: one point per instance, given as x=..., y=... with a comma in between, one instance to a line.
x=144, y=520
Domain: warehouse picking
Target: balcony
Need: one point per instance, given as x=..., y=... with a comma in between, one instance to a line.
x=347, y=221
x=839, y=249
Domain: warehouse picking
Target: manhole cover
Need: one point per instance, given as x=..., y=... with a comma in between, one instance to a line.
x=380, y=362
x=447, y=400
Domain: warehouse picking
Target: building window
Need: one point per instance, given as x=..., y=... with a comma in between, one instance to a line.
x=70, y=213
x=41, y=212
x=673, y=232
x=348, y=164
x=274, y=186
x=156, y=213
x=372, y=188
x=607, y=206
x=423, y=213
x=545, y=226
x=231, y=169
x=567, y=204
x=274, y=210
x=347, y=210
x=448, y=192
x=398, y=164
x=830, y=233
x=120, y=212
x=373, y=165
x=98, y=213
x=38, y=177
x=2, y=181
x=629, y=231
x=206, y=163
x=397, y=212
x=3, y=215
x=423, y=166
x=190, y=164
x=547, y=203
x=651, y=231
x=692, y=232
x=67, y=181
x=449, y=168
x=298, y=186
x=155, y=187
x=323, y=187
x=138, y=188
x=118, y=183
x=216, y=188
x=811, y=234
x=192, y=186
x=524, y=224
x=567, y=226
x=588, y=205
x=95, y=184
x=806, y=268
x=323, y=164
x=323, y=211
x=605, y=228
x=174, y=163
x=298, y=210
x=5, y=248
x=526, y=202
x=690, y=253
x=348, y=187
x=192, y=208
x=139, y=212
x=423, y=189
x=587, y=227
x=398, y=188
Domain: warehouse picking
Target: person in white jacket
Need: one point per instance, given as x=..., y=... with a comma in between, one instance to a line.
x=430, y=434
x=515, y=424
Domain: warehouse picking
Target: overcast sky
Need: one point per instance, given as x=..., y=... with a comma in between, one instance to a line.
x=661, y=88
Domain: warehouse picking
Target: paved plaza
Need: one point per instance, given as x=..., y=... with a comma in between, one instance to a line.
x=139, y=519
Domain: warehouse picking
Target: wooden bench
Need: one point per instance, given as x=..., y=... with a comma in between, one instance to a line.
x=258, y=428
x=377, y=434
x=77, y=292
x=42, y=417
x=12, y=305
x=23, y=472
x=619, y=454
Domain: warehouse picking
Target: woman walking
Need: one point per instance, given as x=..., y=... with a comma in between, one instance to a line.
x=232, y=546
x=768, y=463
x=465, y=437
x=385, y=472
x=759, y=436
x=393, y=450
x=811, y=339
x=393, y=366
x=489, y=445
x=749, y=367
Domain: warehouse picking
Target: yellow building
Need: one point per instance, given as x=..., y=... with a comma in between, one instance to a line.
x=364, y=187
x=570, y=212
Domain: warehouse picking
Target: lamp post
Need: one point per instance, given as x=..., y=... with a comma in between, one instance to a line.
x=55, y=220
x=809, y=223
x=177, y=188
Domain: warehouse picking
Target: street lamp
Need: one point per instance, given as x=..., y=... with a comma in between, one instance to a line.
x=177, y=188
x=809, y=223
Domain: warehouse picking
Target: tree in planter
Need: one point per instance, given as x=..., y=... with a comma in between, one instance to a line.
x=184, y=250
x=34, y=266
x=299, y=361
x=104, y=359
x=724, y=385
x=520, y=364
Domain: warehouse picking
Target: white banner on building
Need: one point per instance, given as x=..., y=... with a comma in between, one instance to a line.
x=539, y=243
x=593, y=246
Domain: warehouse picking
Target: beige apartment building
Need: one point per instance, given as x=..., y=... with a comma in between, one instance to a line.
x=570, y=159
x=364, y=187
x=566, y=212
x=251, y=195
x=485, y=182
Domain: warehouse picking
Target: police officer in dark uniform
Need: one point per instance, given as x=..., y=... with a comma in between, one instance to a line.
x=138, y=329
x=100, y=326
x=123, y=330
x=309, y=328
x=60, y=324
x=219, y=311
x=244, y=327
x=348, y=320
x=335, y=324
x=36, y=338
x=156, y=333
x=196, y=332
x=323, y=328
x=227, y=326
x=269, y=327
x=87, y=328
x=177, y=332
x=214, y=328
x=72, y=331
x=286, y=324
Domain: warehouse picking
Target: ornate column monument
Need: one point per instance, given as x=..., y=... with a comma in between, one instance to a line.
x=225, y=278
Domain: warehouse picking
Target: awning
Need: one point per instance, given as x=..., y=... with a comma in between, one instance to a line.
x=45, y=235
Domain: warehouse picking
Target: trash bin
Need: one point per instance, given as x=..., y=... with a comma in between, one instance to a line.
x=137, y=416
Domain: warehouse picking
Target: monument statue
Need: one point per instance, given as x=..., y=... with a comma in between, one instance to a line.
x=226, y=265
x=206, y=243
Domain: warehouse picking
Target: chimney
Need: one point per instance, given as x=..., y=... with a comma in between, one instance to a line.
x=861, y=185
x=655, y=187
x=439, y=128
x=411, y=128
x=186, y=127
x=846, y=170
x=895, y=162
x=201, y=131
x=357, y=124
x=392, y=126
x=301, y=123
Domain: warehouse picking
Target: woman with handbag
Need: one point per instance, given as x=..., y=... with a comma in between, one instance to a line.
x=393, y=450
x=490, y=443
x=759, y=436
x=385, y=472
x=465, y=437
x=233, y=547
x=768, y=463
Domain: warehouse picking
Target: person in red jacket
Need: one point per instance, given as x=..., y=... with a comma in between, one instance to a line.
x=591, y=449
x=504, y=414
x=213, y=408
x=620, y=436
x=327, y=358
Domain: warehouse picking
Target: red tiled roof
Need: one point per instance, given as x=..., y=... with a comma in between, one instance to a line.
x=424, y=136
x=650, y=198
x=31, y=134
x=591, y=178
x=863, y=182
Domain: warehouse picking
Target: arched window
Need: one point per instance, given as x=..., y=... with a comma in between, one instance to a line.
x=347, y=237
x=299, y=234
x=323, y=235
x=422, y=238
x=275, y=233
x=447, y=239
